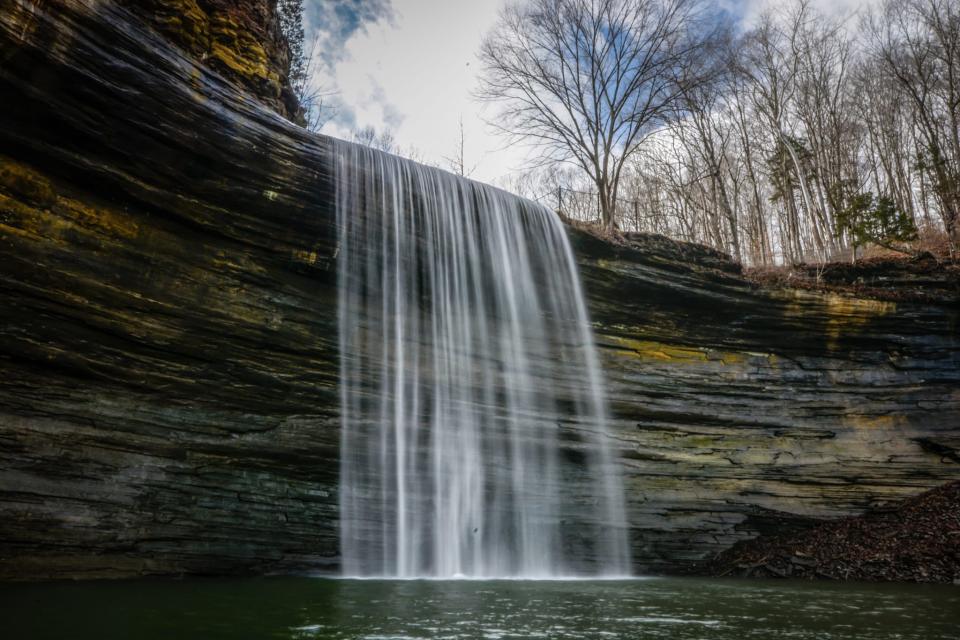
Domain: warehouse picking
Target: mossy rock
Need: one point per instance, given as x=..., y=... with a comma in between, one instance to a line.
x=238, y=50
x=182, y=21
x=26, y=185
x=217, y=35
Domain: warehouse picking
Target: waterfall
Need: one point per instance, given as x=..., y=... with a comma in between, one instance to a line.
x=474, y=438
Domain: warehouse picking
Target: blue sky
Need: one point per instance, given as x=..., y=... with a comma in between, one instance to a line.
x=410, y=66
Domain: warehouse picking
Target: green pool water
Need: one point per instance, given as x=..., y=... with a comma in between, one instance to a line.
x=305, y=608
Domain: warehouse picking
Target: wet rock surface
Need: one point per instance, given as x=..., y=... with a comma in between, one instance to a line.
x=169, y=397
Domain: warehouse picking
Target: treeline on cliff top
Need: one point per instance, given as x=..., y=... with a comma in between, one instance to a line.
x=795, y=135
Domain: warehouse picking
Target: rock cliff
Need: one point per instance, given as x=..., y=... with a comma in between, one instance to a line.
x=168, y=346
x=746, y=409
x=241, y=39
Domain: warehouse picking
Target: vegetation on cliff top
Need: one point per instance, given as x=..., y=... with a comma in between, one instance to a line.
x=798, y=140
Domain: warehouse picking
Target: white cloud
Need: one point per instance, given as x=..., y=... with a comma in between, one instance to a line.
x=413, y=71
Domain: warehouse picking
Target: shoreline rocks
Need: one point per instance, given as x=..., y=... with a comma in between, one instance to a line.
x=917, y=540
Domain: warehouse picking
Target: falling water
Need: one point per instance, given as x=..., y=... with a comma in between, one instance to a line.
x=474, y=439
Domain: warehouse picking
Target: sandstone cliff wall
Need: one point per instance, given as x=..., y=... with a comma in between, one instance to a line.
x=240, y=39
x=168, y=355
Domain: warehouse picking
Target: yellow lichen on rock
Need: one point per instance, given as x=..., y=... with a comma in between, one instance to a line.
x=305, y=256
x=29, y=222
x=107, y=221
x=846, y=313
x=25, y=200
x=652, y=350
x=235, y=261
x=30, y=207
x=21, y=17
x=858, y=309
x=184, y=22
x=861, y=421
x=730, y=358
x=26, y=185
x=232, y=38
x=836, y=314
x=192, y=24
x=215, y=36
x=238, y=50
x=665, y=352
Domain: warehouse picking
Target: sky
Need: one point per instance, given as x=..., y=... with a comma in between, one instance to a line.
x=411, y=66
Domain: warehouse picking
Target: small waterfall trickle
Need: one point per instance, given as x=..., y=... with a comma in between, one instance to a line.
x=474, y=437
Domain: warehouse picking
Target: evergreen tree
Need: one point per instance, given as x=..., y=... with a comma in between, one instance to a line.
x=290, y=13
x=867, y=219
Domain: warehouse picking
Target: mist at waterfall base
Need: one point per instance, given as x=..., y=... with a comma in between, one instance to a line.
x=474, y=433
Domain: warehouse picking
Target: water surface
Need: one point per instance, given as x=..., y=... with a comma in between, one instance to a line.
x=307, y=608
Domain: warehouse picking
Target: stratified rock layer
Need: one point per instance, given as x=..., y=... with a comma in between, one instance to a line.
x=745, y=410
x=168, y=344
x=241, y=39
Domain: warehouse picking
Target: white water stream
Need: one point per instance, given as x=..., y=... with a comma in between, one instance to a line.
x=474, y=433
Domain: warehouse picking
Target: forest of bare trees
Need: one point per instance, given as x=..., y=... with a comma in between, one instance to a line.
x=800, y=139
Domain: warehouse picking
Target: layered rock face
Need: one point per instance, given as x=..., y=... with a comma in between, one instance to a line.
x=743, y=410
x=168, y=395
x=169, y=399
x=241, y=39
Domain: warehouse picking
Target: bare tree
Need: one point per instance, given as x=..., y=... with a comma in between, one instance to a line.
x=822, y=135
x=589, y=80
x=313, y=97
x=458, y=162
x=918, y=45
x=705, y=132
x=317, y=105
x=382, y=140
x=888, y=158
x=823, y=107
